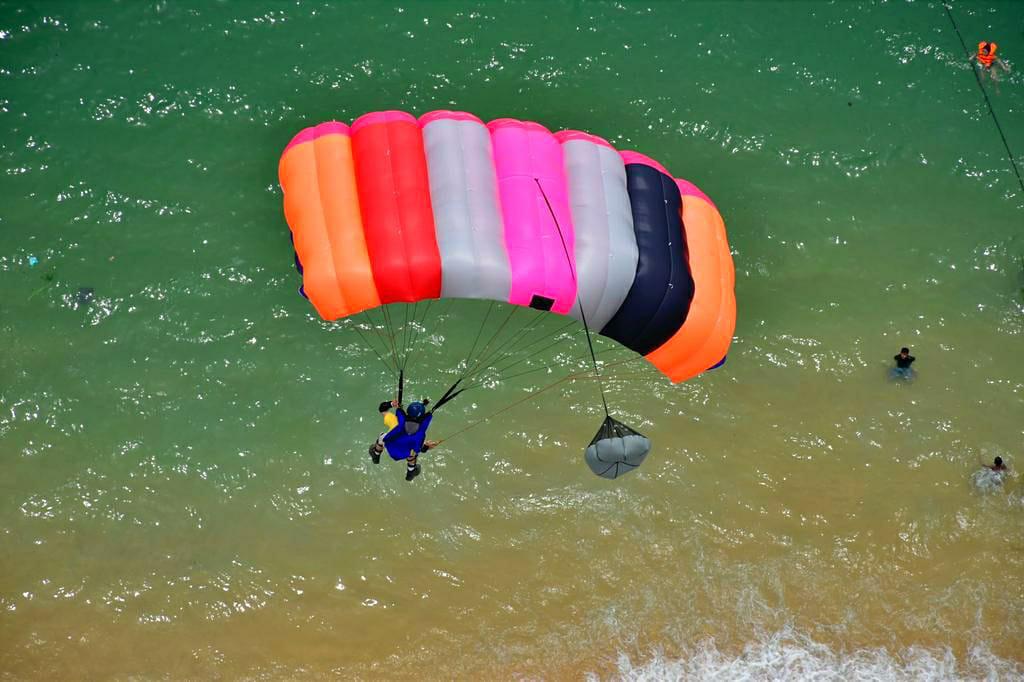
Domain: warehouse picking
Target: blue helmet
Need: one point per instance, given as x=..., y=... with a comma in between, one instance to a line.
x=416, y=410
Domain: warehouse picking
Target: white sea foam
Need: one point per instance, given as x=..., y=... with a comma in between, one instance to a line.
x=788, y=655
x=987, y=481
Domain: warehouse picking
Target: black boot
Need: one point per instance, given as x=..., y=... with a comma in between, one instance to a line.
x=412, y=473
x=375, y=454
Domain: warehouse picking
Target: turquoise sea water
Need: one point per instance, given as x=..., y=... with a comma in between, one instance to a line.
x=184, y=489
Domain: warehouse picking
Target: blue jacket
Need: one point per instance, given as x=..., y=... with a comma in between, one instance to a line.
x=401, y=444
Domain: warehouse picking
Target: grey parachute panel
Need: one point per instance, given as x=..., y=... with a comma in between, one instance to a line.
x=616, y=449
x=467, y=211
x=606, y=250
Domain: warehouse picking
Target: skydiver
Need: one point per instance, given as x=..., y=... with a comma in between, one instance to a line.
x=902, y=369
x=406, y=437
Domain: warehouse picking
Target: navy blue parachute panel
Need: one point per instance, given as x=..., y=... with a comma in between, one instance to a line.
x=659, y=300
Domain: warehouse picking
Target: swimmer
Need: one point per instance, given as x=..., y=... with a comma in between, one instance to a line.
x=986, y=59
x=997, y=465
x=990, y=477
x=902, y=369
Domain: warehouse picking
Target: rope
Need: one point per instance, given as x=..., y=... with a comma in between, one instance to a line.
x=479, y=332
x=549, y=366
x=583, y=314
x=500, y=371
x=531, y=396
x=487, y=346
x=506, y=408
x=374, y=349
x=386, y=316
x=405, y=334
x=507, y=347
x=417, y=326
x=984, y=93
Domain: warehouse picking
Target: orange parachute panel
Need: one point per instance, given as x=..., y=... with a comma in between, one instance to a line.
x=703, y=340
x=321, y=206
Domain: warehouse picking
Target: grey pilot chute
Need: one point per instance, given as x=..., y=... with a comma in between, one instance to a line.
x=616, y=449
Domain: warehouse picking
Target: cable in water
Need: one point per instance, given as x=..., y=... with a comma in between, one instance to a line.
x=984, y=93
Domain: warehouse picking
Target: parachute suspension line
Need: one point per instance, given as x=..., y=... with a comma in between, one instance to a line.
x=507, y=346
x=440, y=314
x=497, y=357
x=386, y=316
x=521, y=339
x=451, y=392
x=487, y=354
x=583, y=314
x=547, y=337
x=479, y=333
x=492, y=364
x=530, y=396
x=417, y=329
x=405, y=336
x=473, y=364
x=396, y=332
x=984, y=93
x=493, y=350
x=387, y=336
x=494, y=336
x=420, y=322
x=514, y=346
x=534, y=394
x=408, y=331
x=395, y=360
x=447, y=309
x=532, y=370
x=373, y=347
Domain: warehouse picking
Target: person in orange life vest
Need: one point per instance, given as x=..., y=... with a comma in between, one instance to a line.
x=986, y=58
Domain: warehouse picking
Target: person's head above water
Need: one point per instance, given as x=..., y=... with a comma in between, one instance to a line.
x=986, y=47
x=998, y=461
x=904, y=351
x=416, y=410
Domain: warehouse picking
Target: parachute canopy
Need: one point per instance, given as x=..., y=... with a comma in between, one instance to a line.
x=399, y=209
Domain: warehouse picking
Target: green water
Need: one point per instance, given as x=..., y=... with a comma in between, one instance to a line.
x=184, y=487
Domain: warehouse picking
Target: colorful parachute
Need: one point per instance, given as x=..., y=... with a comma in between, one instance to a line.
x=395, y=209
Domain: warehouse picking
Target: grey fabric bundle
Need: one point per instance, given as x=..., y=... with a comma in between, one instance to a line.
x=616, y=449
